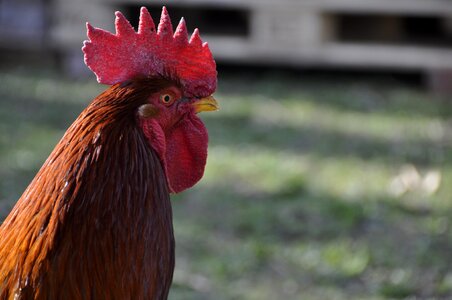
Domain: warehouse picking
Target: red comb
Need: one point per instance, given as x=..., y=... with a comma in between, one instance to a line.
x=118, y=57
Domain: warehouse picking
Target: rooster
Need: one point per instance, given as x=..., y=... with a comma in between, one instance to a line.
x=96, y=221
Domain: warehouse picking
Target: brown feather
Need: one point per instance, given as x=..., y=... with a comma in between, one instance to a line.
x=96, y=221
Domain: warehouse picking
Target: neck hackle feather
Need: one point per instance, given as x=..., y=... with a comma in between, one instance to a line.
x=90, y=225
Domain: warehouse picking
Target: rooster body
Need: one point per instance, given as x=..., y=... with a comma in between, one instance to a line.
x=89, y=223
x=96, y=221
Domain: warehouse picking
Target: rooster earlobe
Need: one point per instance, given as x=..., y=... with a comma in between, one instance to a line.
x=148, y=111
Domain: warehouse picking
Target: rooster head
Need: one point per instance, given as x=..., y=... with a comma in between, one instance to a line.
x=183, y=77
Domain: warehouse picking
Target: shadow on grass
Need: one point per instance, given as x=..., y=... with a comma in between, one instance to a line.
x=317, y=239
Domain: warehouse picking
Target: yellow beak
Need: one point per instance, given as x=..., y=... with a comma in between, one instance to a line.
x=206, y=104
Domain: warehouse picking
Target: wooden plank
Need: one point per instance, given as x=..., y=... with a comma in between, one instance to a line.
x=332, y=54
x=386, y=56
x=286, y=28
x=440, y=81
x=288, y=32
x=402, y=7
x=405, y=7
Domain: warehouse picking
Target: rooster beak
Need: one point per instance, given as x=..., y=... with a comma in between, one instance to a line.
x=205, y=104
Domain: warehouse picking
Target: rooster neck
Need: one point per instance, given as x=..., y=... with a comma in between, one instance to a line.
x=98, y=214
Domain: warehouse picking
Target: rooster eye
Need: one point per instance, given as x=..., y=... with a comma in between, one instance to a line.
x=166, y=98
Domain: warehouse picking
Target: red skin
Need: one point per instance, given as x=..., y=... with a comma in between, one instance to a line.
x=178, y=136
x=154, y=51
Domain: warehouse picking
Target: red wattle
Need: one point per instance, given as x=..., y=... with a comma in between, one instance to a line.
x=182, y=151
x=186, y=153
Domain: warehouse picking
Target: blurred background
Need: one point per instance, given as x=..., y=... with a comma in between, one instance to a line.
x=330, y=161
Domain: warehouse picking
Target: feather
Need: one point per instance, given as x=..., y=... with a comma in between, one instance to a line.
x=96, y=221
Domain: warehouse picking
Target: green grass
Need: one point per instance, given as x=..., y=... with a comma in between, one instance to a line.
x=315, y=188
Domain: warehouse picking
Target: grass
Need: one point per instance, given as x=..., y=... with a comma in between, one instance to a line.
x=315, y=188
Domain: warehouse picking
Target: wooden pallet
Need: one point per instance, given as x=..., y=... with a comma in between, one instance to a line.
x=413, y=35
